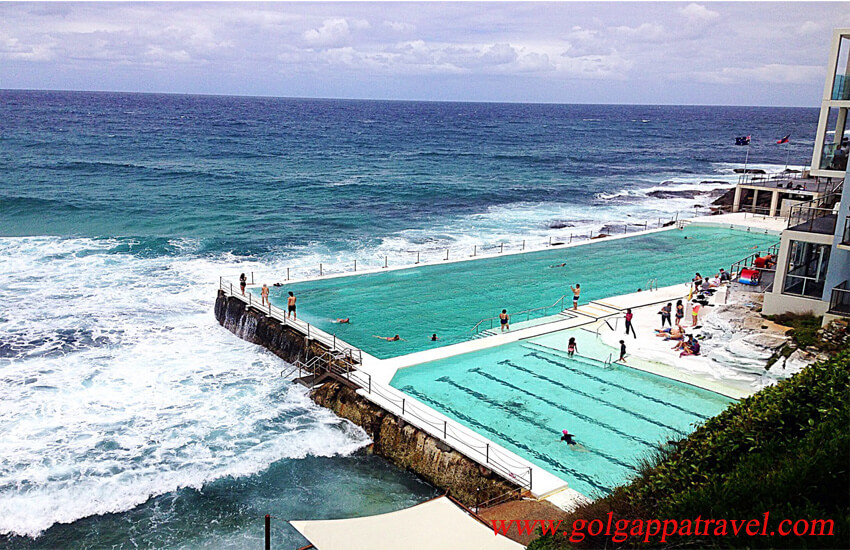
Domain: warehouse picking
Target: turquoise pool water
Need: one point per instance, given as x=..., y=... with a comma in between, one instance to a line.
x=449, y=299
x=522, y=395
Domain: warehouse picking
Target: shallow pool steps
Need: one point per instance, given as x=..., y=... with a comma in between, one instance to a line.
x=561, y=354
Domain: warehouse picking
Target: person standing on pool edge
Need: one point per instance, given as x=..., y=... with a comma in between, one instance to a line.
x=504, y=320
x=264, y=294
x=629, y=326
x=576, y=291
x=243, y=280
x=290, y=306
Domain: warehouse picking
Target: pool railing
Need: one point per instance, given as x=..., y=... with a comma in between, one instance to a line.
x=444, y=429
x=440, y=255
x=330, y=341
x=558, y=307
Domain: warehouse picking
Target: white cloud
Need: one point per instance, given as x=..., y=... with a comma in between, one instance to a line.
x=399, y=26
x=333, y=33
x=773, y=73
x=646, y=32
x=696, y=13
x=499, y=54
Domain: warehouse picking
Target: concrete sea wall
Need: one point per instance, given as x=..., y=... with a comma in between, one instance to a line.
x=394, y=439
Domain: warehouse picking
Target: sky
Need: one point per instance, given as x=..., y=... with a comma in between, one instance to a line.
x=706, y=53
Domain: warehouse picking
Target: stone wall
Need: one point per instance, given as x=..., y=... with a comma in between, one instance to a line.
x=411, y=448
x=401, y=443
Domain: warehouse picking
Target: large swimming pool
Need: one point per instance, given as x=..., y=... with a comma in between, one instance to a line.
x=449, y=299
x=522, y=395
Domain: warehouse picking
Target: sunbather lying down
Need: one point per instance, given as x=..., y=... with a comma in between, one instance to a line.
x=670, y=333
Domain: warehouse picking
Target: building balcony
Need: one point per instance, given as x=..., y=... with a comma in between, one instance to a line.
x=839, y=303
x=815, y=216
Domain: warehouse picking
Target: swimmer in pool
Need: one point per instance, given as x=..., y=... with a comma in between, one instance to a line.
x=571, y=346
x=559, y=265
x=395, y=338
x=434, y=337
x=343, y=321
x=568, y=438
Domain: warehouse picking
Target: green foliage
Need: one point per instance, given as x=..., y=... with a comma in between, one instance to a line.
x=785, y=450
x=805, y=327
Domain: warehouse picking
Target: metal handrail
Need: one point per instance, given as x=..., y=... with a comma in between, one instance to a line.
x=763, y=180
x=560, y=300
x=499, y=248
x=305, y=328
x=410, y=409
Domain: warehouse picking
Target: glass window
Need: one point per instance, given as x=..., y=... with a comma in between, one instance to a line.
x=807, y=263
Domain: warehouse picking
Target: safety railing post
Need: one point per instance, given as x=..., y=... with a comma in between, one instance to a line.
x=447, y=253
x=320, y=270
x=386, y=258
x=231, y=289
x=249, y=299
x=287, y=273
x=252, y=278
x=487, y=454
x=268, y=532
x=523, y=244
x=445, y=429
x=417, y=257
x=501, y=247
x=529, y=477
x=221, y=280
x=591, y=233
x=571, y=237
x=355, y=265
x=402, y=406
x=550, y=240
x=474, y=250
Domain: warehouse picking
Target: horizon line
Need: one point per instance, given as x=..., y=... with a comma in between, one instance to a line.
x=397, y=100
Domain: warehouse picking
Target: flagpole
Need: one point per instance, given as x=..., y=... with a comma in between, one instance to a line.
x=746, y=159
x=787, y=152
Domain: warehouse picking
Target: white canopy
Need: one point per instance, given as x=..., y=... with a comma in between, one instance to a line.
x=433, y=525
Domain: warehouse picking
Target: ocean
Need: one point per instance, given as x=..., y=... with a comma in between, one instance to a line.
x=131, y=419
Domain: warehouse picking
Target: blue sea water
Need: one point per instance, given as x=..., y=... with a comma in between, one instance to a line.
x=130, y=418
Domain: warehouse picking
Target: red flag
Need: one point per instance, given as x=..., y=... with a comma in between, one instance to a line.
x=784, y=140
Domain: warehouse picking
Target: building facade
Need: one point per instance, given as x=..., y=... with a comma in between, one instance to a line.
x=813, y=264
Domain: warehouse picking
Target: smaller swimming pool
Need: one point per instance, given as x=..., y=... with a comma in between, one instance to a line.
x=522, y=395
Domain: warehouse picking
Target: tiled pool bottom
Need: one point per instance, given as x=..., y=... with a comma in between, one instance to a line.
x=450, y=298
x=522, y=395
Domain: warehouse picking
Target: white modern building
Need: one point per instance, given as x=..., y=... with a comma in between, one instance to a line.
x=813, y=265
